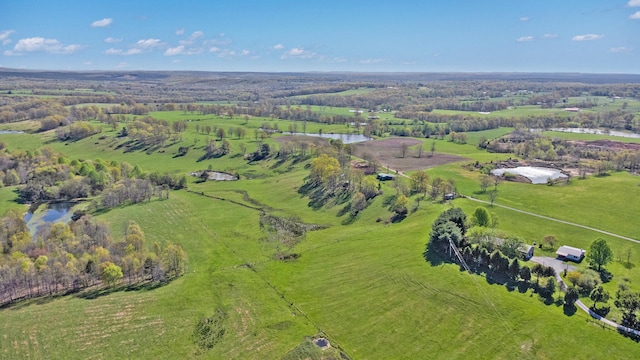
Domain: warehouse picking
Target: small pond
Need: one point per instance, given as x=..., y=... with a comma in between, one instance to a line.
x=38, y=216
x=216, y=175
x=3, y=132
x=346, y=138
x=537, y=175
x=321, y=343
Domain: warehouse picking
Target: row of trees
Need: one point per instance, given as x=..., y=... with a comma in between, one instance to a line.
x=500, y=258
x=63, y=258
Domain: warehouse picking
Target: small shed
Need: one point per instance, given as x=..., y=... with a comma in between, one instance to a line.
x=526, y=251
x=570, y=253
x=384, y=177
x=449, y=196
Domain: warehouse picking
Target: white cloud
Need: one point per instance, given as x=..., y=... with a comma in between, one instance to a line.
x=174, y=51
x=244, y=52
x=4, y=36
x=132, y=51
x=9, y=53
x=148, y=43
x=112, y=40
x=192, y=38
x=296, y=51
x=87, y=63
x=217, y=42
x=587, y=37
x=371, y=61
x=226, y=53
x=299, y=53
x=214, y=49
x=633, y=3
x=525, y=39
x=122, y=65
x=102, y=23
x=182, y=50
x=179, y=31
x=635, y=16
x=620, y=49
x=524, y=18
x=141, y=46
x=278, y=46
x=37, y=44
x=549, y=36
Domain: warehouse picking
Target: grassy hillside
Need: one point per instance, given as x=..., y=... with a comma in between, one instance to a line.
x=365, y=286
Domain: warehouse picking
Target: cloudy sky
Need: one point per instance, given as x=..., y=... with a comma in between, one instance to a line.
x=596, y=36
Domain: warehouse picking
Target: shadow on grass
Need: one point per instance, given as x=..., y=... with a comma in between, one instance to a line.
x=627, y=265
x=398, y=217
x=96, y=293
x=23, y=303
x=433, y=257
x=349, y=220
x=345, y=210
x=389, y=200
x=501, y=279
x=605, y=275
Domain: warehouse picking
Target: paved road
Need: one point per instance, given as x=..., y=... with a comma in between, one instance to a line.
x=556, y=220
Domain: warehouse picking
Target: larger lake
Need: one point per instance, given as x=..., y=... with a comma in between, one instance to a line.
x=598, y=132
x=346, y=138
x=537, y=175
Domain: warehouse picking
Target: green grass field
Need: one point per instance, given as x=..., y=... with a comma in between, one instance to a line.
x=365, y=286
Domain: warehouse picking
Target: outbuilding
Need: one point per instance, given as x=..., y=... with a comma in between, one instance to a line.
x=570, y=253
x=526, y=251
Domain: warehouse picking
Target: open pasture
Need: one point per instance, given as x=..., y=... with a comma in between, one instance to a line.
x=365, y=286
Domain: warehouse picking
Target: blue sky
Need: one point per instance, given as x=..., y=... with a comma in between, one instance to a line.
x=595, y=36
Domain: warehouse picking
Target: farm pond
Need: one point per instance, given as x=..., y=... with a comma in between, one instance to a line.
x=39, y=215
x=537, y=175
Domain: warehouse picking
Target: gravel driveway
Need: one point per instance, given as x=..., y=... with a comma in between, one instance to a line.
x=557, y=264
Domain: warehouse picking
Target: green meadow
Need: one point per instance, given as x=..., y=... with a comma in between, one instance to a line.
x=363, y=284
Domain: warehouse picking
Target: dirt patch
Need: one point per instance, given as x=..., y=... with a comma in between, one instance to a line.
x=388, y=152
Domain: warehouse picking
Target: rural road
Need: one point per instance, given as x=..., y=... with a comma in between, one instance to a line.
x=554, y=219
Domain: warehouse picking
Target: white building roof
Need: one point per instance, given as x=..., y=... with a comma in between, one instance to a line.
x=566, y=251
